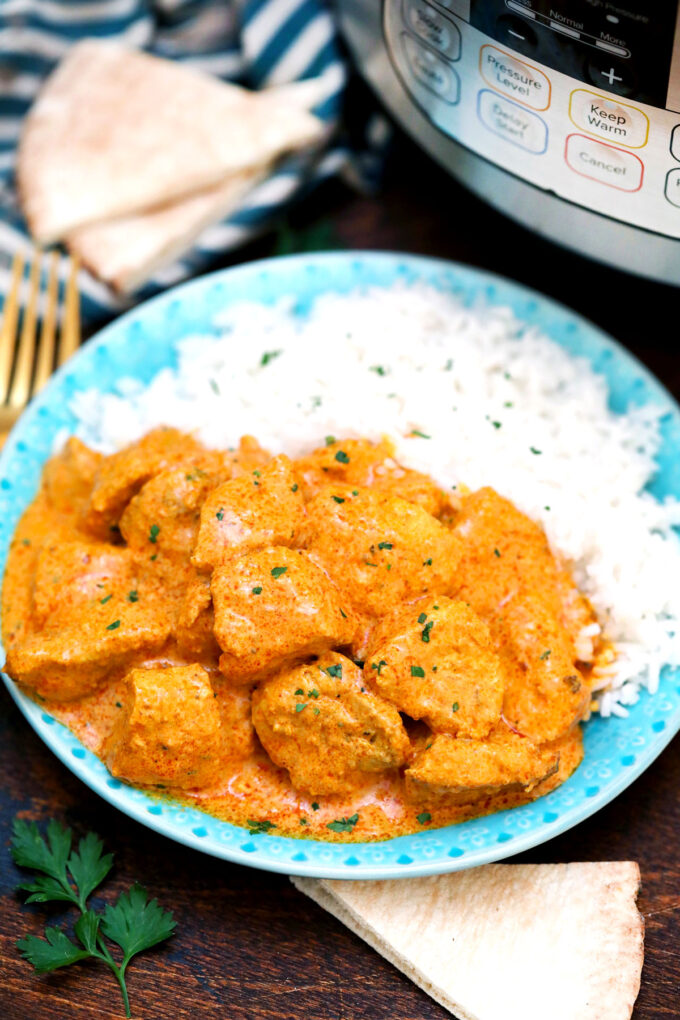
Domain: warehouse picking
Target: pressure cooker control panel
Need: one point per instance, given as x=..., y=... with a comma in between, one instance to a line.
x=579, y=98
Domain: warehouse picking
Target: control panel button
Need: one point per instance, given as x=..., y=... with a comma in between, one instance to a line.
x=675, y=142
x=608, y=118
x=604, y=163
x=515, y=78
x=516, y=33
x=512, y=122
x=430, y=70
x=611, y=75
x=672, y=189
x=433, y=27
x=459, y=7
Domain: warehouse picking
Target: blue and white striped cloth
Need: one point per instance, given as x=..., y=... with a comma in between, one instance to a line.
x=253, y=42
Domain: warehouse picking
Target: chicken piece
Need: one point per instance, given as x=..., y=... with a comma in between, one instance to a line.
x=323, y=725
x=169, y=731
x=360, y=462
x=196, y=622
x=263, y=509
x=74, y=575
x=434, y=660
x=456, y=770
x=510, y=577
x=274, y=607
x=379, y=549
x=72, y=657
x=164, y=515
x=120, y=476
x=68, y=477
x=238, y=732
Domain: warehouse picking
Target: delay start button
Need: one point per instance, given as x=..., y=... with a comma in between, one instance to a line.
x=604, y=163
x=609, y=118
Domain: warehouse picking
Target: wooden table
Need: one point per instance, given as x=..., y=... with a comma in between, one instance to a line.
x=248, y=946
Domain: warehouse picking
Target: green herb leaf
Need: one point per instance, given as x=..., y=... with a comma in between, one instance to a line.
x=378, y=369
x=30, y=850
x=278, y=571
x=214, y=387
x=343, y=824
x=89, y=865
x=338, y=499
x=269, y=356
x=136, y=923
x=87, y=929
x=496, y=552
x=220, y=514
x=455, y=706
x=154, y=531
x=313, y=693
x=422, y=618
x=342, y=457
x=534, y=450
x=300, y=706
x=114, y=626
x=255, y=828
x=330, y=440
x=427, y=563
x=421, y=435
x=315, y=806
x=294, y=488
x=546, y=655
x=425, y=633
x=105, y=599
x=133, y=596
x=257, y=590
x=385, y=545
x=335, y=671
x=54, y=951
x=378, y=666
x=424, y=818
x=417, y=671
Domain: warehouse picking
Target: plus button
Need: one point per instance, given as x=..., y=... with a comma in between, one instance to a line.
x=611, y=75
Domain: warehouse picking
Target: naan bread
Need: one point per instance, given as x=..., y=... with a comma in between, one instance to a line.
x=116, y=131
x=506, y=942
x=125, y=252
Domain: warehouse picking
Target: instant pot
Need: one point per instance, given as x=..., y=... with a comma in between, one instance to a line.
x=564, y=115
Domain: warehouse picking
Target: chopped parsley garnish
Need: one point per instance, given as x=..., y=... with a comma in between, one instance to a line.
x=424, y=818
x=255, y=828
x=534, y=450
x=303, y=821
x=496, y=424
x=316, y=710
x=106, y=599
x=378, y=369
x=455, y=706
x=133, y=596
x=343, y=615
x=300, y=705
x=355, y=492
x=338, y=499
x=294, y=488
x=118, y=704
x=269, y=356
x=257, y=473
x=427, y=563
x=546, y=655
x=114, y=626
x=25, y=541
x=343, y=824
x=342, y=457
x=313, y=693
x=278, y=571
x=335, y=670
x=154, y=557
x=214, y=387
x=315, y=806
x=330, y=440
x=497, y=553
x=425, y=634
x=257, y=590
x=449, y=365
x=299, y=691
x=421, y=435
x=546, y=507
x=378, y=666
x=153, y=533
x=370, y=564
x=422, y=618
x=220, y=514
x=417, y=671
x=384, y=545
x=508, y=403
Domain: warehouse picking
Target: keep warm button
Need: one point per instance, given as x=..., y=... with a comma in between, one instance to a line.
x=604, y=163
x=607, y=118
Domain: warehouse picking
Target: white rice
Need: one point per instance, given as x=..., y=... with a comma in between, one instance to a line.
x=488, y=392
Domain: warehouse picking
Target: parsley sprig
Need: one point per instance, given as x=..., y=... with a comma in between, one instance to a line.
x=133, y=923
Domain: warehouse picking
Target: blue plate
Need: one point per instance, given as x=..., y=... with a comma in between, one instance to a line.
x=139, y=344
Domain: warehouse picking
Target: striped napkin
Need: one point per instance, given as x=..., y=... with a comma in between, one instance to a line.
x=255, y=43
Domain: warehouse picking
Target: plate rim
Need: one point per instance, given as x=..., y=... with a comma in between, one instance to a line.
x=481, y=280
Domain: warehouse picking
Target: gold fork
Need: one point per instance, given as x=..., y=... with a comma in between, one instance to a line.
x=26, y=361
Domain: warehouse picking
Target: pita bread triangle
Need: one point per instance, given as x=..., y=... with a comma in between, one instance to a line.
x=116, y=131
x=506, y=942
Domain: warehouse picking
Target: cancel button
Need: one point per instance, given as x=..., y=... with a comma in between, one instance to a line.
x=604, y=163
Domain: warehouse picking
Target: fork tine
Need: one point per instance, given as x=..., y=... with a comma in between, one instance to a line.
x=46, y=350
x=23, y=369
x=70, y=330
x=8, y=329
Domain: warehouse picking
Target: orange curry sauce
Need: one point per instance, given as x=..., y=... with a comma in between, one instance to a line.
x=331, y=647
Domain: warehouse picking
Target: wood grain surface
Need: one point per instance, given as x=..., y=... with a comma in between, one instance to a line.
x=248, y=945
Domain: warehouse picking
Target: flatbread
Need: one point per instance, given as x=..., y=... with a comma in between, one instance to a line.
x=506, y=942
x=116, y=131
x=126, y=252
